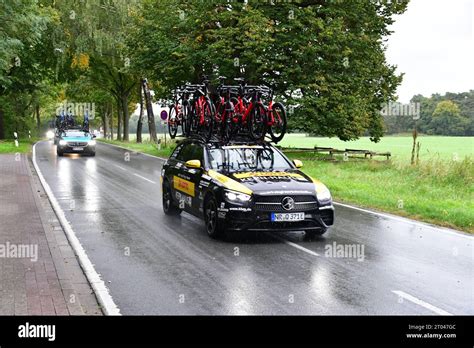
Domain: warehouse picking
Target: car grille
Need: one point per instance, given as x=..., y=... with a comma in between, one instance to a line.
x=273, y=203
x=76, y=143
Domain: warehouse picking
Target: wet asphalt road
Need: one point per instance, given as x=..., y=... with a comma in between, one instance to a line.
x=155, y=264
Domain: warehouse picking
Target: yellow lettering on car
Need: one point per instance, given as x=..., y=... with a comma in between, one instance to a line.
x=260, y=174
x=183, y=185
x=229, y=183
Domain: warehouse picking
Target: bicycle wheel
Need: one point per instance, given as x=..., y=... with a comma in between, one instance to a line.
x=257, y=122
x=206, y=127
x=278, y=128
x=172, y=122
x=219, y=122
x=193, y=122
x=184, y=121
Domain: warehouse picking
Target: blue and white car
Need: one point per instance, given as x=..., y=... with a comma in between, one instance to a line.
x=76, y=141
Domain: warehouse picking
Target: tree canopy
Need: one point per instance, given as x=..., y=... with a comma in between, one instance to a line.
x=324, y=58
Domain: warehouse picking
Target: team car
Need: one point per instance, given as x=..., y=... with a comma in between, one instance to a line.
x=244, y=187
x=75, y=141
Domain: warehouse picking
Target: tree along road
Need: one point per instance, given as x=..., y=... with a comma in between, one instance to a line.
x=156, y=264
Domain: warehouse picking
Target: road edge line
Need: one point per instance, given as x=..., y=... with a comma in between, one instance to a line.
x=102, y=293
x=421, y=303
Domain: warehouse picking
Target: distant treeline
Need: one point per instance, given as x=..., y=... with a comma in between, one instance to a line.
x=449, y=114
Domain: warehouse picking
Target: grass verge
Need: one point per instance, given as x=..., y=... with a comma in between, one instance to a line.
x=145, y=147
x=8, y=146
x=439, y=192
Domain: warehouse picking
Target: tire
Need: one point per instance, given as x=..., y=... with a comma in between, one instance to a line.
x=168, y=205
x=172, y=126
x=59, y=152
x=193, y=122
x=184, y=121
x=278, y=130
x=92, y=154
x=214, y=228
x=207, y=127
x=315, y=233
x=257, y=122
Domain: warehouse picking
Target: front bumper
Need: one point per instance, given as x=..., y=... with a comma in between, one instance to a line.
x=87, y=149
x=249, y=219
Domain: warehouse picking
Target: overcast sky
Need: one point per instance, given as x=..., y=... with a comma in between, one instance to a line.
x=433, y=44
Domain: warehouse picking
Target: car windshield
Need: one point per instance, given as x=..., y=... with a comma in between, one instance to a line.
x=75, y=134
x=247, y=158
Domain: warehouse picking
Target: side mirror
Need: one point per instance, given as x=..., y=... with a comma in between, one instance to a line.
x=297, y=163
x=94, y=136
x=193, y=164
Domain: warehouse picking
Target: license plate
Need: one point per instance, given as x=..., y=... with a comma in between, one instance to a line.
x=278, y=217
x=77, y=149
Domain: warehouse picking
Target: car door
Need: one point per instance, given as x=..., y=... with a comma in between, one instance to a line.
x=185, y=180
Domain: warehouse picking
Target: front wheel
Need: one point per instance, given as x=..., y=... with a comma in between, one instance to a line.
x=213, y=227
x=168, y=205
x=278, y=127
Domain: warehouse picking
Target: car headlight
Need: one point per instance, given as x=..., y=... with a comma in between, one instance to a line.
x=322, y=193
x=92, y=142
x=236, y=197
x=62, y=142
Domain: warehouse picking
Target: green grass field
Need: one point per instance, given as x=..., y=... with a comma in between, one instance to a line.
x=432, y=147
x=8, y=146
x=145, y=147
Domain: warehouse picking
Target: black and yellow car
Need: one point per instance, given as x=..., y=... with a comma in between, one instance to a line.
x=244, y=187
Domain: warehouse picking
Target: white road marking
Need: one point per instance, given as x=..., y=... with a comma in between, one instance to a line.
x=120, y=167
x=408, y=221
x=142, y=177
x=420, y=302
x=294, y=245
x=98, y=285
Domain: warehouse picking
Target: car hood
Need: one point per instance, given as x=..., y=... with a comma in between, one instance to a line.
x=276, y=182
x=76, y=138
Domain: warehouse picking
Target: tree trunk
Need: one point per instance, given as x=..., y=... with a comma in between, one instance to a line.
x=104, y=117
x=119, y=119
x=140, y=117
x=126, y=117
x=111, y=121
x=38, y=118
x=2, y=124
x=149, y=111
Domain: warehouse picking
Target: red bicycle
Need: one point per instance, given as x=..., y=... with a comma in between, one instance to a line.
x=225, y=110
x=202, y=112
x=249, y=115
x=179, y=111
x=276, y=118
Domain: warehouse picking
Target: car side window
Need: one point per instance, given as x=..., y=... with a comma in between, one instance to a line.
x=176, y=151
x=186, y=153
x=198, y=153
